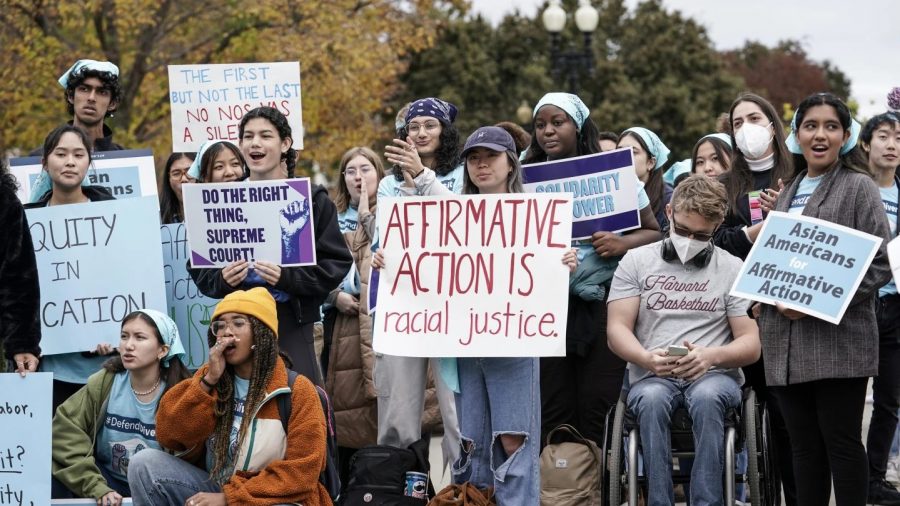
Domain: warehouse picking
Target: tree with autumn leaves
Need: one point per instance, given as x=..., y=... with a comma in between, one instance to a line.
x=351, y=53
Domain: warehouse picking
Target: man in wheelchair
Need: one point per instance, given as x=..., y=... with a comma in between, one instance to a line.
x=684, y=338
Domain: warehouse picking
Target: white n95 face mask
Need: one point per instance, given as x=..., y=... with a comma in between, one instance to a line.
x=753, y=140
x=686, y=247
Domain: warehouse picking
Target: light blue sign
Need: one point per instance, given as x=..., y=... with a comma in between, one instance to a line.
x=190, y=309
x=97, y=262
x=807, y=264
x=26, y=438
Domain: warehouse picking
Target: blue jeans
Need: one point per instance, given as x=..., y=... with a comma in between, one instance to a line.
x=156, y=477
x=500, y=396
x=653, y=400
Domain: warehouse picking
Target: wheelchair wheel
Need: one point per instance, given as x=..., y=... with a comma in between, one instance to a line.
x=751, y=417
x=616, y=456
x=767, y=457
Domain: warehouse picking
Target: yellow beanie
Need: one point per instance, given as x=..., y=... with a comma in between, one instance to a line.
x=257, y=302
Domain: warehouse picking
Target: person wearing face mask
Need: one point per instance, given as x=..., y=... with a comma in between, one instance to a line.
x=675, y=292
x=760, y=166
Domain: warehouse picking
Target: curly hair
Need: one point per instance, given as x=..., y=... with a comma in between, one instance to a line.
x=264, y=357
x=446, y=156
x=7, y=180
x=280, y=122
x=110, y=83
x=342, y=199
x=701, y=195
x=170, y=206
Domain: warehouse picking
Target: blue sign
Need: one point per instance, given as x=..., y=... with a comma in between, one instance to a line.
x=97, y=262
x=604, y=187
x=809, y=265
x=190, y=309
x=26, y=438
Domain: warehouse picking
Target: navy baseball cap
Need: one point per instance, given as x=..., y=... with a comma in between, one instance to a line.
x=491, y=137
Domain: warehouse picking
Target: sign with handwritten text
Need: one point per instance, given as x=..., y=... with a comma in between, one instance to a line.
x=473, y=275
x=250, y=220
x=208, y=101
x=97, y=262
x=126, y=174
x=190, y=309
x=26, y=438
x=809, y=265
x=604, y=189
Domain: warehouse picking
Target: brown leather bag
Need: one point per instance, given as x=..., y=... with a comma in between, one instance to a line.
x=465, y=494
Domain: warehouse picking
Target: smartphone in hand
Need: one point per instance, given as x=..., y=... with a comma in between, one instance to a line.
x=677, y=351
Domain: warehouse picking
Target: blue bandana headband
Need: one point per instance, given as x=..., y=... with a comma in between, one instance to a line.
x=169, y=333
x=722, y=137
x=794, y=146
x=80, y=65
x=42, y=184
x=571, y=104
x=445, y=112
x=676, y=170
x=194, y=171
x=655, y=146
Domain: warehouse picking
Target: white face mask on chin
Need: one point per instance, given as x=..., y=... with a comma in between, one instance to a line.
x=753, y=140
x=686, y=247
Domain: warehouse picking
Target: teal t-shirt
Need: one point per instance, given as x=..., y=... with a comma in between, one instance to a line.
x=889, y=198
x=348, y=220
x=72, y=367
x=129, y=426
x=241, y=387
x=804, y=191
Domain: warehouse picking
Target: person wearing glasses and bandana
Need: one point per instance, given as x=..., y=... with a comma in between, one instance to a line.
x=226, y=425
x=675, y=293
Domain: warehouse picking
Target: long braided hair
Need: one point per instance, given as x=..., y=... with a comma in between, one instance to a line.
x=264, y=358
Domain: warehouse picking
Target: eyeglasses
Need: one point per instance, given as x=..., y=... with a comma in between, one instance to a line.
x=364, y=170
x=218, y=327
x=699, y=236
x=430, y=127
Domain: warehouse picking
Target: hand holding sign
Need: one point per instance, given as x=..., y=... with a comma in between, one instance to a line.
x=236, y=272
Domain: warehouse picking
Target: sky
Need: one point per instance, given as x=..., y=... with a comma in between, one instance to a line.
x=861, y=38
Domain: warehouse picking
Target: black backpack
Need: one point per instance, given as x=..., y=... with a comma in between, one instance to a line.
x=330, y=477
x=378, y=475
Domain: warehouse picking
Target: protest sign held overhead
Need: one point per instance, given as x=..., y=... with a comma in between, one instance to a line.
x=208, y=101
x=25, y=441
x=807, y=264
x=473, y=276
x=190, y=309
x=604, y=188
x=86, y=258
x=250, y=220
x=126, y=174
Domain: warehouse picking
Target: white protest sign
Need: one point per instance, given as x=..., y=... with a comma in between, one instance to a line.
x=126, y=174
x=97, y=262
x=250, y=220
x=473, y=276
x=190, y=309
x=809, y=265
x=893, y=250
x=26, y=438
x=209, y=100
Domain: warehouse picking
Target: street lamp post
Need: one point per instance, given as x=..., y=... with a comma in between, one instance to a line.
x=571, y=61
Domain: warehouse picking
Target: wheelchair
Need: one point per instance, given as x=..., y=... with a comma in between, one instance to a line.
x=745, y=427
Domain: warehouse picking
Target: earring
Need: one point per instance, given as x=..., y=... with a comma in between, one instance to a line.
x=253, y=347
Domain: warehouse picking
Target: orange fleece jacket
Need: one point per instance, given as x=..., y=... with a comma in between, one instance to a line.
x=186, y=418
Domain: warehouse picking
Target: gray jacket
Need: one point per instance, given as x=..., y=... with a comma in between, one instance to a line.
x=811, y=349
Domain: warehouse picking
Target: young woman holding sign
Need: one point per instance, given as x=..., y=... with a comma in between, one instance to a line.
x=298, y=291
x=818, y=371
x=171, y=200
x=880, y=140
x=99, y=430
x=498, y=399
x=650, y=156
x=581, y=387
x=236, y=448
x=67, y=157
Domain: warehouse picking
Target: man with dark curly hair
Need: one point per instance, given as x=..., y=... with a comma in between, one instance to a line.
x=92, y=93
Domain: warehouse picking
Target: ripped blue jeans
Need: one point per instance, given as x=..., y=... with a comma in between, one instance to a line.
x=500, y=396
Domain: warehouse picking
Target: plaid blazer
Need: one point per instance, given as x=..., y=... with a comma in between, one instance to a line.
x=810, y=349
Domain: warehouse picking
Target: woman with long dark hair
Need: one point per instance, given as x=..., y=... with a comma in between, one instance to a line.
x=171, y=201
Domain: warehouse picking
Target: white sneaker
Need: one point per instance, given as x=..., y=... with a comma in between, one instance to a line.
x=893, y=471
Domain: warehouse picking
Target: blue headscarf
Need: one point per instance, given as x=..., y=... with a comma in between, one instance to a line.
x=43, y=184
x=568, y=102
x=655, y=146
x=445, y=112
x=80, y=65
x=794, y=146
x=169, y=333
x=722, y=137
x=676, y=170
x=194, y=170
